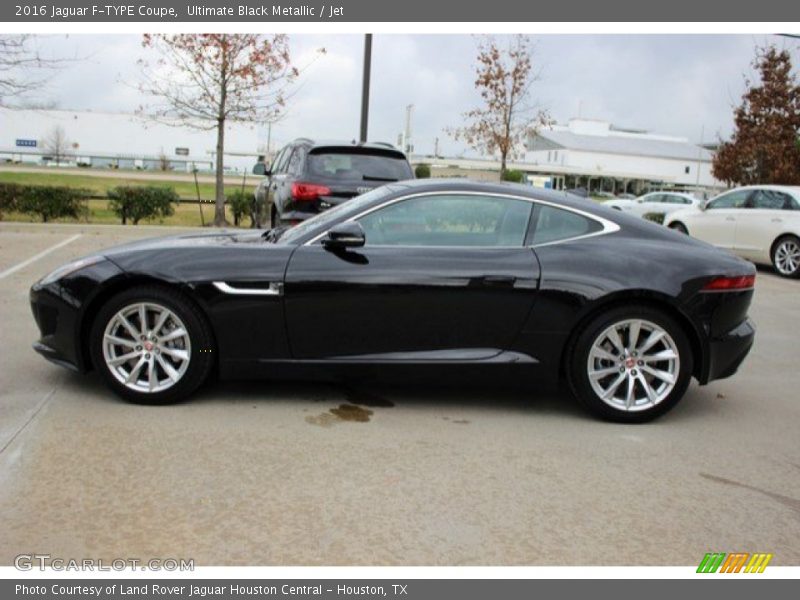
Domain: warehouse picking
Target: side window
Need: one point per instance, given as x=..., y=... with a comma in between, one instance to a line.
x=554, y=224
x=770, y=199
x=672, y=199
x=793, y=204
x=654, y=198
x=284, y=159
x=295, y=164
x=277, y=161
x=735, y=199
x=449, y=220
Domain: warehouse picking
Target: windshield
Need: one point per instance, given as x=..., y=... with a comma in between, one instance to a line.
x=329, y=216
x=343, y=166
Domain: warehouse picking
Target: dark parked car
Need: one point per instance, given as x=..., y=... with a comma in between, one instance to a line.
x=308, y=177
x=421, y=275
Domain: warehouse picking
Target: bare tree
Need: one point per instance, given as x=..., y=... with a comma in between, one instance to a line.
x=504, y=78
x=23, y=68
x=206, y=80
x=57, y=145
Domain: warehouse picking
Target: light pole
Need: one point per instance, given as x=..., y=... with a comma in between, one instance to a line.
x=365, y=86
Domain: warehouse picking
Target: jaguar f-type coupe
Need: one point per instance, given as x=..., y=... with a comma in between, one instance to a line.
x=430, y=274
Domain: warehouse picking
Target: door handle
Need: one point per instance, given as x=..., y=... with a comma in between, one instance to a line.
x=498, y=280
x=777, y=220
x=730, y=218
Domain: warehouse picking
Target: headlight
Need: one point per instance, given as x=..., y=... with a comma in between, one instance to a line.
x=70, y=267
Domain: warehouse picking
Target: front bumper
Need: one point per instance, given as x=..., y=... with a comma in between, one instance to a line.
x=60, y=310
x=726, y=352
x=57, y=322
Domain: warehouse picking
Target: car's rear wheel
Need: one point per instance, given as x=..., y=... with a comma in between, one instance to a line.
x=151, y=345
x=630, y=364
x=679, y=227
x=786, y=256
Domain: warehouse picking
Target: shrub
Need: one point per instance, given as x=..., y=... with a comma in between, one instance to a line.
x=9, y=197
x=513, y=176
x=135, y=203
x=242, y=205
x=52, y=202
x=655, y=217
x=422, y=171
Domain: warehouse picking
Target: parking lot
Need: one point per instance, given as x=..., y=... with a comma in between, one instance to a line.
x=299, y=473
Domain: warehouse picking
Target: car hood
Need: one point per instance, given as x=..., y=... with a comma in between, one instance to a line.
x=222, y=237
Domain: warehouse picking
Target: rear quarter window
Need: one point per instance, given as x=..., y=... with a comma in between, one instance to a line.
x=556, y=224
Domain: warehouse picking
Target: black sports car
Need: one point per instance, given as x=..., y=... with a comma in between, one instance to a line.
x=413, y=275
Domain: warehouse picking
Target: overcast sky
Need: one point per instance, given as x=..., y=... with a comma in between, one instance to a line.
x=669, y=84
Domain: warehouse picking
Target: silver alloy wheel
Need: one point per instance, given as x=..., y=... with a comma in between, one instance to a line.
x=633, y=365
x=787, y=257
x=146, y=347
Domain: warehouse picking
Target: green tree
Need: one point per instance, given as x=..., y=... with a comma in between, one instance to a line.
x=422, y=171
x=51, y=202
x=134, y=203
x=242, y=203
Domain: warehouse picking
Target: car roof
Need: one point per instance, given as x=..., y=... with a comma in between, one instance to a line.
x=792, y=189
x=347, y=144
x=674, y=193
x=457, y=184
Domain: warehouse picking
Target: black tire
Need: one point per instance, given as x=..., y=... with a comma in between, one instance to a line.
x=577, y=364
x=679, y=227
x=780, y=244
x=201, y=356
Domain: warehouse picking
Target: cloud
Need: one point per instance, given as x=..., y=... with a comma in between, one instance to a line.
x=673, y=84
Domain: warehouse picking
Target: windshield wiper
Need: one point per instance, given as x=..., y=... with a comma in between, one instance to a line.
x=274, y=234
x=373, y=178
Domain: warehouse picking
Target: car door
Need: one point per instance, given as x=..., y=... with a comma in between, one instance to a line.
x=278, y=180
x=673, y=202
x=440, y=277
x=651, y=203
x=717, y=223
x=761, y=222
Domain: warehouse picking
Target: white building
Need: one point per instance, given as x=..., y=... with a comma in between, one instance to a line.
x=123, y=140
x=588, y=153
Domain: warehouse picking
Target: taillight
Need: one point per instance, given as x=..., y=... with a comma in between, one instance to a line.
x=724, y=284
x=303, y=192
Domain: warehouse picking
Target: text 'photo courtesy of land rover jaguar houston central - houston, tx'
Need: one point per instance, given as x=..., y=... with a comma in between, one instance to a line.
x=419, y=275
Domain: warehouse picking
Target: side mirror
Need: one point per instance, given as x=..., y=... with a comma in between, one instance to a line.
x=703, y=205
x=640, y=200
x=345, y=235
x=261, y=169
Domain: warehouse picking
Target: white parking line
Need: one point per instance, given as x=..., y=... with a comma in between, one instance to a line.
x=42, y=254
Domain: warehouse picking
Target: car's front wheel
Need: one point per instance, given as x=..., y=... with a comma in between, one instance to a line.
x=786, y=256
x=151, y=345
x=630, y=364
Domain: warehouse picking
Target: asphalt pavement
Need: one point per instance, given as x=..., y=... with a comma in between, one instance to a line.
x=313, y=474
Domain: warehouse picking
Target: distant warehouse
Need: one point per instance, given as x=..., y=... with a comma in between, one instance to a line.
x=119, y=141
x=596, y=149
x=599, y=157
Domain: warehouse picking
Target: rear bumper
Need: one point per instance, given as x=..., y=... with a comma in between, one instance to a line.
x=726, y=352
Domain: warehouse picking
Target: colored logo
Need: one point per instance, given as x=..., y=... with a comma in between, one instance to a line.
x=735, y=562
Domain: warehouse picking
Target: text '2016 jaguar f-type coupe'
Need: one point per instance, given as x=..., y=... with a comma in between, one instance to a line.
x=432, y=274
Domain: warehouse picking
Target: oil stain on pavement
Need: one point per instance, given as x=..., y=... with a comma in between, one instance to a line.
x=353, y=411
